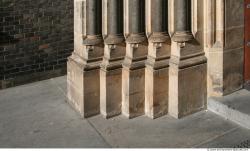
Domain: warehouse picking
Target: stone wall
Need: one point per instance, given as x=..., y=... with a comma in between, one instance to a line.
x=36, y=37
x=234, y=46
x=225, y=42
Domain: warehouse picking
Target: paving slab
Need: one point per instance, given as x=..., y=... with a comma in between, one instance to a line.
x=36, y=115
x=61, y=83
x=237, y=138
x=143, y=132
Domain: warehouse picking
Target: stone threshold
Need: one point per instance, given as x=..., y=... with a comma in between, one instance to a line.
x=234, y=107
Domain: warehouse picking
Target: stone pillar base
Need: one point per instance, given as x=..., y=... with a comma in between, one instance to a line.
x=133, y=92
x=156, y=92
x=83, y=87
x=111, y=79
x=156, y=77
x=111, y=93
x=188, y=91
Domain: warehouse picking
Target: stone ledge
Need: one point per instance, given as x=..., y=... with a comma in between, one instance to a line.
x=234, y=107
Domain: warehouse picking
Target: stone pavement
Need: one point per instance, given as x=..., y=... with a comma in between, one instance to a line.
x=37, y=115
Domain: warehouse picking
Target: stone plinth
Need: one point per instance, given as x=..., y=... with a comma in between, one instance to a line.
x=83, y=84
x=133, y=80
x=111, y=80
x=83, y=78
x=188, y=86
x=188, y=67
x=156, y=80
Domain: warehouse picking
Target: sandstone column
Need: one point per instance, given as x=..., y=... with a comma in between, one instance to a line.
x=133, y=73
x=157, y=64
x=187, y=75
x=114, y=52
x=83, y=78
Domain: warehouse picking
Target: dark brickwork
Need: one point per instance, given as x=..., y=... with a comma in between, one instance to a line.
x=36, y=37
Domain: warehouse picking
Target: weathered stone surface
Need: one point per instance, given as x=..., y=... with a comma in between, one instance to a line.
x=84, y=63
x=114, y=52
x=111, y=92
x=156, y=92
x=226, y=44
x=187, y=93
x=53, y=124
x=188, y=85
x=234, y=107
x=215, y=72
x=233, y=70
x=156, y=79
x=156, y=75
x=133, y=72
x=133, y=92
x=143, y=77
x=83, y=88
x=188, y=68
x=133, y=80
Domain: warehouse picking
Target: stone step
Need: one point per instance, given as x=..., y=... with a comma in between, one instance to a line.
x=235, y=107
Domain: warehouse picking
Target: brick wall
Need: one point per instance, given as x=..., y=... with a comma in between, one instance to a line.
x=36, y=37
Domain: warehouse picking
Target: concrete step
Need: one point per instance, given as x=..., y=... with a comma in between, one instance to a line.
x=235, y=107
